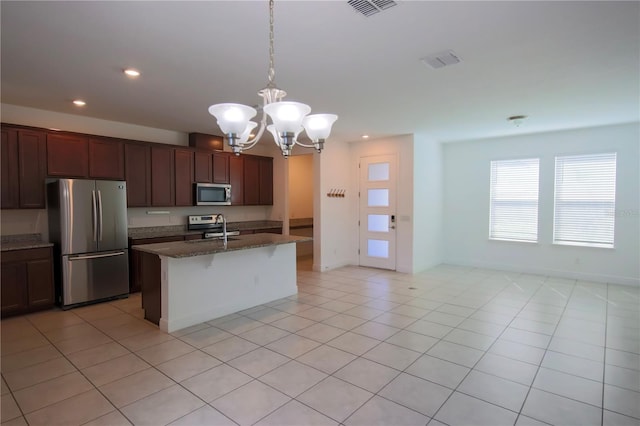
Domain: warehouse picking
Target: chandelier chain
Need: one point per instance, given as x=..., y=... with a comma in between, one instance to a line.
x=272, y=71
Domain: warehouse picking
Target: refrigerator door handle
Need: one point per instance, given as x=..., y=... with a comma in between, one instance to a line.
x=100, y=215
x=95, y=256
x=94, y=212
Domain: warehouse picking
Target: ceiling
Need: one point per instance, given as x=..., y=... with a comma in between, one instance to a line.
x=563, y=64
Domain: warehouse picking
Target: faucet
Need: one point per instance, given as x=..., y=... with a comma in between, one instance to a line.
x=224, y=227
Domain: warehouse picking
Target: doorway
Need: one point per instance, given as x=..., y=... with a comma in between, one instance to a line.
x=377, y=212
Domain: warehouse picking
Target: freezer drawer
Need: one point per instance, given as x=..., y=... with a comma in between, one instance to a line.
x=94, y=276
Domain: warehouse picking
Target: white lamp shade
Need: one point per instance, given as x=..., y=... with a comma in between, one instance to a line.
x=245, y=135
x=287, y=116
x=232, y=118
x=318, y=126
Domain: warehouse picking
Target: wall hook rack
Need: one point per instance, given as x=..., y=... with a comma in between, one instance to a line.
x=336, y=193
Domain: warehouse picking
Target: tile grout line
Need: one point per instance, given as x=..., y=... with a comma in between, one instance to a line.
x=485, y=352
x=546, y=349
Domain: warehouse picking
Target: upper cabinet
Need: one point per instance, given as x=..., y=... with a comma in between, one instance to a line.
x=203, y=167
x=157, y=175
x=266, y=181
x=137, y=166
x=258, y=180
x=106, y=158
x=67, y=155
x=251, y=180
x=220, y=167
x=23, y=168
x=184, y=177
x=162, y=176
x=31, y=164
x=236, y=178
x=9, y=169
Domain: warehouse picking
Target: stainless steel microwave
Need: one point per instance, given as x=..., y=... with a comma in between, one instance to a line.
x=212, y=194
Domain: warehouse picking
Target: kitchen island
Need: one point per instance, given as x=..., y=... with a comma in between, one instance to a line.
x=189, y=282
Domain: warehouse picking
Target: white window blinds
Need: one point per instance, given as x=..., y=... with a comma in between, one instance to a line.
x=514, y=200
x=585, y=200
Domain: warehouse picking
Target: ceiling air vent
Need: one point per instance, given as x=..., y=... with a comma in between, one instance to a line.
x=441, y=59
x=371, y=7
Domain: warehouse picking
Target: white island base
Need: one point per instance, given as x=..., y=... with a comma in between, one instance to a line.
x=201, y=288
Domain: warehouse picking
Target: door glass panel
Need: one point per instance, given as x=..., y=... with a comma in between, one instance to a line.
x=378, y=222
x=378, y=197
x=378, y=248
x=378, y=171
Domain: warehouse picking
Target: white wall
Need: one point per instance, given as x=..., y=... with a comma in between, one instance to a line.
x=466, y=205
x=25, y=116
x=427, y=203
x=333, y=227
x=301, y=186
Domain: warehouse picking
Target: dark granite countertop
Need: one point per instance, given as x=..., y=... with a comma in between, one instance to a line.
x=22, y=242
x=178, y=230
x=180, y=249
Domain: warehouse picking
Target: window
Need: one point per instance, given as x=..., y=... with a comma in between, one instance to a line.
x=514, y=200
x=585, y=200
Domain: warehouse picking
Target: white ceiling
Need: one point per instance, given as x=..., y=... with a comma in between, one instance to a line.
x=564, y=64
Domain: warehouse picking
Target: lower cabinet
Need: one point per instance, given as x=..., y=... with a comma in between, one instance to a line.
x=26, y=281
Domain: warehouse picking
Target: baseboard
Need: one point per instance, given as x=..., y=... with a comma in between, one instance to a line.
x=576, y=275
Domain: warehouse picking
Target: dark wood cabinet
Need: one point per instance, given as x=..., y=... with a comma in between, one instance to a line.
x=10, y=173
x=251, y=180
x=106, y=159
x=266, y=181
x=137, y=160
x=157, y=175
x=220, y=167
x=258, y=180
x=32, y=151
x=236, y=179
x=183, y=177
x=202, y=167
x=67, y=155
x=162, y=177
x=150, y=281
x=13, y=283
x=204, y=141
x=26, y=281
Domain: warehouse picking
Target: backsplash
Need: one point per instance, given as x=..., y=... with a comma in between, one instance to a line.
x=160, y=216
x=15, y=222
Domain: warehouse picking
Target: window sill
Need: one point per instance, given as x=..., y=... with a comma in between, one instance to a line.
x=588, y=245
x=513, y=241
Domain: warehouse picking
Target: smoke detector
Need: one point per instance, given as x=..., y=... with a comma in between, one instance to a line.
x=371, y=7
x=441, y=59
x=517, y=120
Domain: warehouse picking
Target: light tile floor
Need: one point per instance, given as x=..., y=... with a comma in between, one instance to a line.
x=356, y=346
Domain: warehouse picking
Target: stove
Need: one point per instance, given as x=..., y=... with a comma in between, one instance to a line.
x=211, y=225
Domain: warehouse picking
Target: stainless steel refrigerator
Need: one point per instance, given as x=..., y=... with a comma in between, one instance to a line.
x=88, y=226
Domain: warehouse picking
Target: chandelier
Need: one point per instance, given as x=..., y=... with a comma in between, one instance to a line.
x=288, y=118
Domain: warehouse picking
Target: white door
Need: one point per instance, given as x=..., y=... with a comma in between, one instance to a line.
x=378, y=211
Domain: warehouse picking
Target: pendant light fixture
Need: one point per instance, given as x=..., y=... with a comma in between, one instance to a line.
x=288, y=118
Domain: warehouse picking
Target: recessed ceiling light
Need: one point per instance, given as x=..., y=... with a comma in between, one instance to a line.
x=365, y=136
x=79, y=102
x=132, y=72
